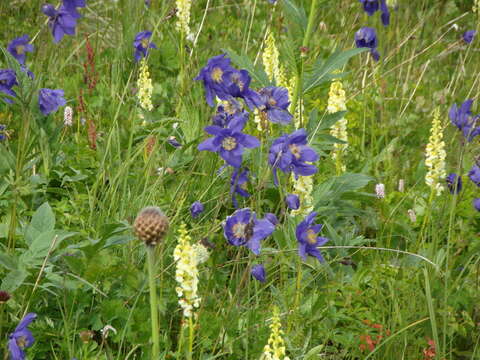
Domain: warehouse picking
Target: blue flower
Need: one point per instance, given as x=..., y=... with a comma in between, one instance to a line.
x=2, y=137
x=172, y=140
x=476, y=204
x=308, y=240
x=18, y=47
x=238, y=184
x=228, y=110
x=454, y=183
x=60, y=21
x=372, y=6
x=258, y=272
x=243, y=228
x=291, y=153
x=229, y=142
x=366, y=37
x=237, y=85
x=272, y=218
x=212, y=77
x=72, y=5
x=196, y=209
x=292, y=201
x=463, y=119
x=8, y=79
x=142, y=43
x=474, y=175
x=274, y=104
x=469, y=35
x=21, y=338
x=50, y=100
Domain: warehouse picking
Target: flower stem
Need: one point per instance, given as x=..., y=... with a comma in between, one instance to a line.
x=153, y=303
x=190, y=340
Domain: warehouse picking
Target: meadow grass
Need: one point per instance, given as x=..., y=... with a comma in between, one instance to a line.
x=399, y=270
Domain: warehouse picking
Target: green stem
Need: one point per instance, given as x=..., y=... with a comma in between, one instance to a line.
x=190, y=340
x=153, y=302
x=306, y=41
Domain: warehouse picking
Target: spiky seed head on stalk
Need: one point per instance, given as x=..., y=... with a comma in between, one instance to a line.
x=151, y=225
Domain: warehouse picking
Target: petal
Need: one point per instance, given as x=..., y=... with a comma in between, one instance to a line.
x=249, y=141
x=279, y=116
x=308, y=154
x=302, y=250
x=231, y=158
x=213, y=129
x=208, y=145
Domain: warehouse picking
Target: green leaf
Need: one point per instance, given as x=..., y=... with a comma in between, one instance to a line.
x=313, y=353
x=334, y=188
x=322, y=70
x=39, y=247
x=244, y=62
x=43, y=220
x=7, y=261
x=14, y=280
x=295, y=13
x=326, y=122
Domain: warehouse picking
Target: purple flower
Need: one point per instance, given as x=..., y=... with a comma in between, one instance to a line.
x=292, y=201
x=21, y=338
x=476, y=204
x=229, y=142
x=2, y=137
x=307, y=238
x=18, y=47
x=228, y=110
x=238, y=185
x=142, y=43
x=8, y=79
x=291, y=153
x=212, y=77
x=272, y=218
x=366, y=37
x=372, y=6
x=454, y=183
x=72, y=5
x=196, y=209
x=464, y=120
x=172, y=140
x=474, y=175
x=274, y=104
x=60, y=21
x=236, y=83
x=243, y=228
x=469, y=35
x=50, y=100
x=258, y=272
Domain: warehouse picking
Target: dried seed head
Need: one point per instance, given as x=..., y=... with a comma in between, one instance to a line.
x=4, y=297
x=151, y=225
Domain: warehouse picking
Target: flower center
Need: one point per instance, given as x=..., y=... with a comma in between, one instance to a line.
x=229, y=143
x=239, y=230
x=272, y=101
x=20, y=49
x=21, y=341
x=3, y=82
x=217, y=74
x=295, y=150
x=311, y=237
x=236, y=80
x=144, y=43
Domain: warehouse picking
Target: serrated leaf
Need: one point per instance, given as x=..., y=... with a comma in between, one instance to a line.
x=322, y=70
x=43, y=220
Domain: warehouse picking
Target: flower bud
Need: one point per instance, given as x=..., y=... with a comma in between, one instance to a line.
x=151, y=225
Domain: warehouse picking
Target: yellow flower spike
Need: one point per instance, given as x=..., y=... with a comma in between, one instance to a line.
x=435, y=155
x=145, y=87
x=303, y=187
x=183, y=16
x=336, y=103
x=275, y=348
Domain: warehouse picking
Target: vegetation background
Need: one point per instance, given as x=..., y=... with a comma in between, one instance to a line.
x=408, y=281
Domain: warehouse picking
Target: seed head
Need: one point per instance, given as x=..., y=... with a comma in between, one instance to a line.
x=151, y=225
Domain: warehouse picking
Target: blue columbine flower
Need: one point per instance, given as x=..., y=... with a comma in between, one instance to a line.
x=238, y=185
x=274, y=104
x=474, y=175
x=372, y=6
x=142, y=43
x=18, y=47
x=308, y=240
x=196, y=209
x=291, y=153
x=21, y=338
x=243, y=228
x=50, y=100
x=454, y=183
x=229, y=142
x=366, y=37
x=258, y=272
x=469, y=35
x=228, y=110
x=60, y=21
x=237, y=84
x=292, y=201
x=8, y=79
x=72, y=5
x=464, y=120
x=212, y=77
x=272, y=218
x=476, y=204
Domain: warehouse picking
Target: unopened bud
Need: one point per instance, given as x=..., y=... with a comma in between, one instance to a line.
x=151, y=225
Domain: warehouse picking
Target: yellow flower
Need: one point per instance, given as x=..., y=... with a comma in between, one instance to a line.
x=183, y=16
x=303, y=187
x=145, y=87
x=275, y=348
x=186, y=273
x=336, y=103
x=435, y=155
x=271, y=60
